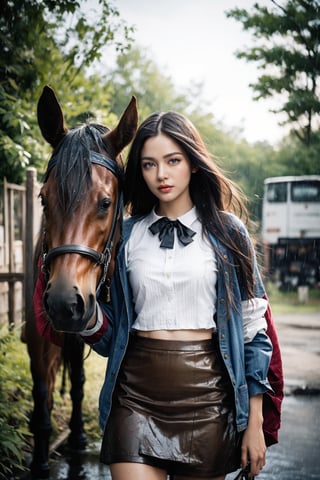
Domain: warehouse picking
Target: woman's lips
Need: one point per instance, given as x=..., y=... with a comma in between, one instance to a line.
x=165, y=188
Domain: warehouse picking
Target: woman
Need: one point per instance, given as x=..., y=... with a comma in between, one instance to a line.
x=185, y=332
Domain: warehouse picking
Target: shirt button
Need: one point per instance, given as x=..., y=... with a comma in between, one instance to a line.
x=225, y=356
x=222, y=300
x=222, y=335
x=225, y=256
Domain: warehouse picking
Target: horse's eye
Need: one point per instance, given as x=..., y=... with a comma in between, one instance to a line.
x=104, y=205
x=43, y=202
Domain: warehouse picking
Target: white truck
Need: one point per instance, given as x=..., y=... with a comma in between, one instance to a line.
x=291, y=230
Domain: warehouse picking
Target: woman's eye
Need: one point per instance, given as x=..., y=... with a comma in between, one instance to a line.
x=147, y=165
x=174, y=161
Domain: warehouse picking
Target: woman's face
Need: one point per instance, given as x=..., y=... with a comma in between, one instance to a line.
x=167, y=171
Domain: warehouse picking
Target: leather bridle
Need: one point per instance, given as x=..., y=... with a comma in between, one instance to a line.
x=99, y=258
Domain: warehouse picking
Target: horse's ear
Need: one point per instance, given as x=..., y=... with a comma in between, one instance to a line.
x=124, y=132
x=50, y=117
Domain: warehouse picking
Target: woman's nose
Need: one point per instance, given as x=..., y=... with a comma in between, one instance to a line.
x=162, y=173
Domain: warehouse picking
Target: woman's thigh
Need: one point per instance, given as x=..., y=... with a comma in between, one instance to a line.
x=136, y=471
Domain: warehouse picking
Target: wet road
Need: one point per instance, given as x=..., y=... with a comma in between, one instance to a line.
x=296, y=457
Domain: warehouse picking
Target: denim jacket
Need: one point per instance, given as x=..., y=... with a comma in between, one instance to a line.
x=247, y=364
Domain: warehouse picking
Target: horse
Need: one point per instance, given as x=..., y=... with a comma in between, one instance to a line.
x=46, y=358
x=82, y=215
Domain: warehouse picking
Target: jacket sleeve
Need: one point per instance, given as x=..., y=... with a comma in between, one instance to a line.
x=99, y=337
x=258, y=354
x=94, y=334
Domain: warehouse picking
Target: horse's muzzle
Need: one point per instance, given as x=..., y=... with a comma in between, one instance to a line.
x=67, y=309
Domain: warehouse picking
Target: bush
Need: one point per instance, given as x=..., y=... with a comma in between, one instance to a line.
x=14, y=382
x=16, y=402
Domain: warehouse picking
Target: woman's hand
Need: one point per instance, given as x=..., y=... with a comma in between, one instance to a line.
x=253, y=447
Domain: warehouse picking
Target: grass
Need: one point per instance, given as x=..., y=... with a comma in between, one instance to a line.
x=95, y=367
x=288, y=302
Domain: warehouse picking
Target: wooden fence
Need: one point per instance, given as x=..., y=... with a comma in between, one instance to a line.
x=20, y=218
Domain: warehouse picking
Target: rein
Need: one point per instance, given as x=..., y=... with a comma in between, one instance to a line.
x=99, y=258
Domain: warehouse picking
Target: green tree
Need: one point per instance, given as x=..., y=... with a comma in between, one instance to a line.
x=46, y=42
x=136, y=74
x=287, y=53
x=294, y=159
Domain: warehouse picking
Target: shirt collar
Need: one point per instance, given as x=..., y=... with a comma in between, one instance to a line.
x=187, y=218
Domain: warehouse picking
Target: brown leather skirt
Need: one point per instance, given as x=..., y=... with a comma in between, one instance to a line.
x=173, y=408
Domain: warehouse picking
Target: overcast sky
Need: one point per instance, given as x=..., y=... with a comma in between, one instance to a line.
x=193, y=40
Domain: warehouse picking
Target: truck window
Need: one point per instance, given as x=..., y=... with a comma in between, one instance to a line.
x=277, y=192
x=305, y=191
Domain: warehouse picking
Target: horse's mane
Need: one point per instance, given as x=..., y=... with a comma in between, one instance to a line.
x=73, y=167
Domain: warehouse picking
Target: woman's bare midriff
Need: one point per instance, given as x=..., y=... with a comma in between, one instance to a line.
x=184, y=335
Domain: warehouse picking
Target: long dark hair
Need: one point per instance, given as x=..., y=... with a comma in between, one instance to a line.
x=211, y=191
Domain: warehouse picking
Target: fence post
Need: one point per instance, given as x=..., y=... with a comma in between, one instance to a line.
x=11, y=292
x=31, y=194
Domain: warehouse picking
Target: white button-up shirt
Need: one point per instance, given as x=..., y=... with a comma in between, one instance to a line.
x=173, y=289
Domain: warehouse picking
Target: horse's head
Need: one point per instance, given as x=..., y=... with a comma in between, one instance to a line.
x=82, y=204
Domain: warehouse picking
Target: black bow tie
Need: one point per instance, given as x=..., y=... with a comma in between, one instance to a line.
x=165, y=228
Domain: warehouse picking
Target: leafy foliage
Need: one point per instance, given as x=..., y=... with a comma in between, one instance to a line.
x=288, y=54
x=136, y=74
x=296, y=160
x=14, y=380
x=16, y=402
x=46, y=42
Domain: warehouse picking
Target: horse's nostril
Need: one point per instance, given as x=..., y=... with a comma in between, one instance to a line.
x=92, y=300
x=79, y=306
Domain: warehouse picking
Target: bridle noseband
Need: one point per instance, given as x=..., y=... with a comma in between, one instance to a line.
x=98, y=258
